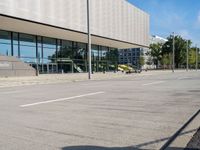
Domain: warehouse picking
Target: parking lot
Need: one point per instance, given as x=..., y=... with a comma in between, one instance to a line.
x=130, y=112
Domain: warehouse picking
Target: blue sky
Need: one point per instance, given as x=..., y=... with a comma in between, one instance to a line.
x=167, y=16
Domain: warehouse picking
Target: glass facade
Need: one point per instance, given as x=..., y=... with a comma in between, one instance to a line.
x=130, y=56
x=52, y=55
x=27, y=48
x=5, y=41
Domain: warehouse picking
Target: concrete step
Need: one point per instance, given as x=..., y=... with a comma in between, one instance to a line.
x=12, y=66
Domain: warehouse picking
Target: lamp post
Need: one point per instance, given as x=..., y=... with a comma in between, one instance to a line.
x=173, y=55
x=89, y=41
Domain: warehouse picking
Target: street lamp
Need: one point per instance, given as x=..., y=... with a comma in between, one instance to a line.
x=173, y=55
x=89, y=41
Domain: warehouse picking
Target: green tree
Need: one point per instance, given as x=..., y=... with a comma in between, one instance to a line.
x=192, y=56
x=142, y=61
x=156, y=53
x=149, y=60
x=180, y=49
x=166, y=60
x=198, y=58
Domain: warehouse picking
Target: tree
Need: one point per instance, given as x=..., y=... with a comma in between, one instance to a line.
x=149, y=60
x=198, y=57
x=156, y=53
x=166, y=60
x=180, y=49
x=192, y=56
x=141, y=61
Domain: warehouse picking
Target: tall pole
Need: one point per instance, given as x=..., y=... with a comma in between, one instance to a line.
x=89, y=41
x=197, y=55
x=187, y=67
x=173, y=55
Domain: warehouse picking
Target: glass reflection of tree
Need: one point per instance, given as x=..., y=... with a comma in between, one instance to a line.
x=80, y=53
x=113, y=59
x=65, y=52
x=113, y=55
x=52, y=58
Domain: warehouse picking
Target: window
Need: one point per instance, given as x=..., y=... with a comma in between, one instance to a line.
x=65, y=50
x=40, y=50
x=16, y=47
x=31, y=48
x=95, y=52
x=79, y=50
x=5, y=43
x=49, y=50
x=113, y=53
x=28, y=48
x=103, y=53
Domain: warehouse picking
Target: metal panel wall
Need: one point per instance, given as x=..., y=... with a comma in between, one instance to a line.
x=115, y=19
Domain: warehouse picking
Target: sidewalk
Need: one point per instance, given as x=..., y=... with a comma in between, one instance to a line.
x=55, y=78
x=63, y=78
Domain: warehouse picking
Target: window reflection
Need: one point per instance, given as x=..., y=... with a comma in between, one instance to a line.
x=95, y=52
x=49, y=50
x=28, y=48
x=56, y=55
x=5, y=43
x=39, y=50
x=79, y=51
x=103, y=53
x=65, y=50
x=80, y=57
x=16, y=47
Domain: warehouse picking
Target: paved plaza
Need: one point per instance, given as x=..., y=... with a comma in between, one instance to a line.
x=110, y=112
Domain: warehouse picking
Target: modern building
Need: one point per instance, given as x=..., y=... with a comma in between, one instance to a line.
x=52, y=34
x=132, y=55
x=154, y=39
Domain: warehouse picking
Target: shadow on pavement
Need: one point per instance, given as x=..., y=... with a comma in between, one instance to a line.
x=175, y=148
x=97, y=148
x=134, y=147
x=114, y=148
x=162, y=140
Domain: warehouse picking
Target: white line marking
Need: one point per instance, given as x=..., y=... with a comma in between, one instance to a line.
x=61, y=99
x=182, y=78
x=146, y=74
x=11, y=92
x=153, y=83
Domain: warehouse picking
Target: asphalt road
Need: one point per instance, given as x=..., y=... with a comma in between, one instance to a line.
x=136, y=112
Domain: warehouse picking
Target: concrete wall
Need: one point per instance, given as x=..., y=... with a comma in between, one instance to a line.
x=11, y=66
x=115, y=19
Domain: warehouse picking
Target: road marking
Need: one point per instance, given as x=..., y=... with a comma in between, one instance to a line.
x=182, y=78
x=61, y=99
x=146, y=74
x=11, y=92
x=153, y=83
